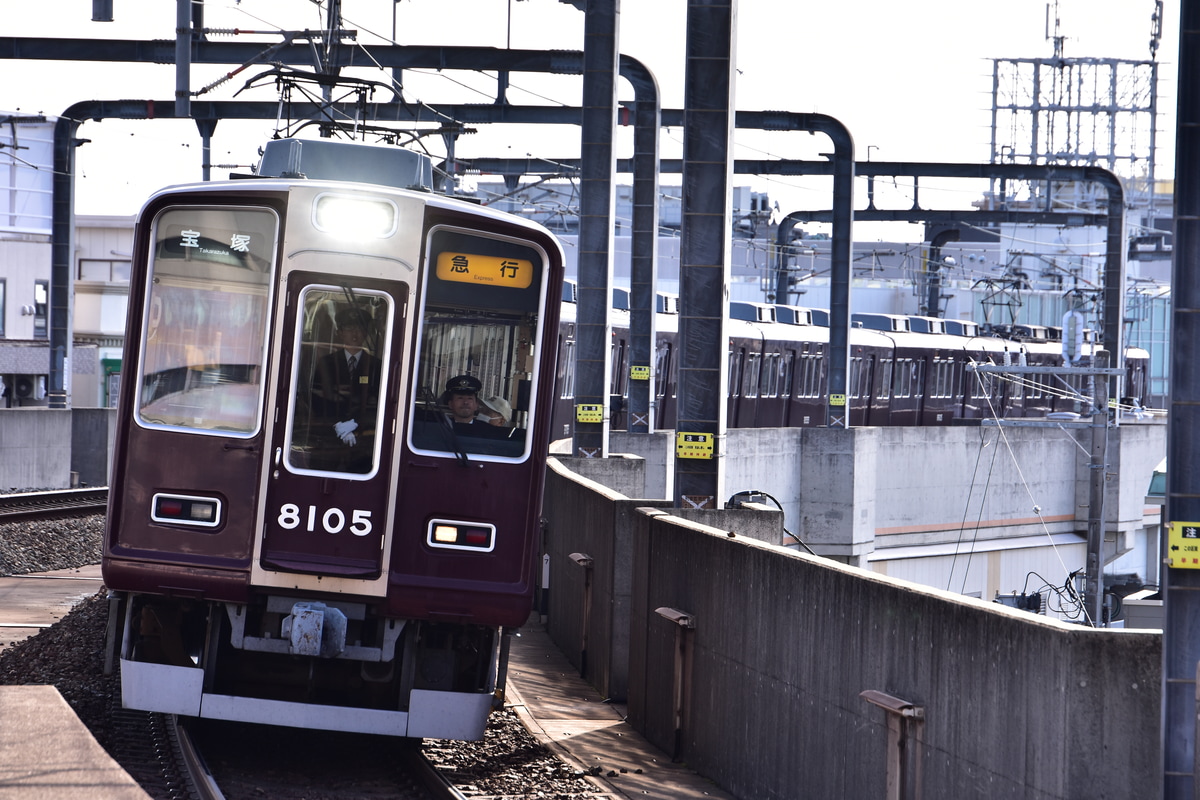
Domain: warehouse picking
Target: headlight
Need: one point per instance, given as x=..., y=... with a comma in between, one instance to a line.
x=355, y=217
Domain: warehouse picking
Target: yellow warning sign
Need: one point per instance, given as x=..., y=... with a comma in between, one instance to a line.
x=589, y=412
x=639, y=372
x=837, y=399
x=694, y=445
x=1183, y=545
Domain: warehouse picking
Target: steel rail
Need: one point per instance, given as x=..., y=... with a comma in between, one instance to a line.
x=48, y=503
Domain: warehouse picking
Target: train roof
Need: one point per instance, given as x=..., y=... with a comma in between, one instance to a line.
x=922, y=324
x=353, y=162
x=287, y=184
x=894, y=323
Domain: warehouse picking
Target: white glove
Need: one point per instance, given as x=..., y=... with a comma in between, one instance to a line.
x=345, y=431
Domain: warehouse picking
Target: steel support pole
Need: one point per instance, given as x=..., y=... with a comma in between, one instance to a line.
x=643, y=265
x=704, y=252
x=1098, y=467
x=593, y=359
x=183, y=57
x=1181, y=587
x=62, y=262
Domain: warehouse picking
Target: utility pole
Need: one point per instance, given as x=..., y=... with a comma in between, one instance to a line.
x=1099, y=374
x=1093, y=594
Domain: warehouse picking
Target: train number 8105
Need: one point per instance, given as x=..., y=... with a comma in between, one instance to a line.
x=333, y=520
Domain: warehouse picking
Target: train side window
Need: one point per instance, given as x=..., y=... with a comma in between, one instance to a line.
x=204, y=334
x=753, y=374
x=567, y=364
x=662, y=362
x=770, y=375
x=736, y=358
x=903, y=377
x=941, y=377
x=479, y=346
x=812, y=375
x=885, y=379
x=617, y=383
x=982, y=387
x=786, y=371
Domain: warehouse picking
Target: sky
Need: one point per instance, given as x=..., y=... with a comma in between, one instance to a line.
x=910, y=80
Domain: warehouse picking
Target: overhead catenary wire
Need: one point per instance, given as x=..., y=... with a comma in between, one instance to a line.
x=1036, y=506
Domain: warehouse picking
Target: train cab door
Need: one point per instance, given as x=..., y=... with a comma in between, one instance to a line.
x=329, y=486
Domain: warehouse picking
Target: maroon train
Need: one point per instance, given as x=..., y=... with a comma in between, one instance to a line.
x=903, y=370
x=295, y=543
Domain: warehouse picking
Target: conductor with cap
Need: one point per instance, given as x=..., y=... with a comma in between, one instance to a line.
x=464, y=407
x=346, y=395
x=465, y=422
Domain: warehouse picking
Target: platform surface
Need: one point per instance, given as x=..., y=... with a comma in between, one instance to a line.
x=30, y=603
x=46, y=753
x=566, y=714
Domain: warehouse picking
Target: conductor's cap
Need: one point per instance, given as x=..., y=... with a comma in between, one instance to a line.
x=463, y=384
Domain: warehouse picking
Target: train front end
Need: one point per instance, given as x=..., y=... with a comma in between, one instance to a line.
x=301, y=532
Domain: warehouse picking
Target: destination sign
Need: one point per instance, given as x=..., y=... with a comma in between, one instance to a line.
x=511, y=273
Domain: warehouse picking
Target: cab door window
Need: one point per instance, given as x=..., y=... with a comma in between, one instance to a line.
x=479, y=346
x=341, y=348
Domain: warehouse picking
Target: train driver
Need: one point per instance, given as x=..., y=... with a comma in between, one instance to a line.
x=346, y=396
x=463, y=407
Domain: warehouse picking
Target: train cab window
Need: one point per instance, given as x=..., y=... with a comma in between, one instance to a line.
x=341, y=346
x=479, y=346
x=204, y=335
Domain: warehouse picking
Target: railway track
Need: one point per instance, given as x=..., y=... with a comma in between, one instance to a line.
x=229, y=761
x=49, y=503
x=183, y=759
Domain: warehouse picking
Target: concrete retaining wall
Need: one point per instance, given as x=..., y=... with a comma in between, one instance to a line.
x=93, y=434
x=850, y=494
x=1015, y=705
x=43, y=448
x=35, y=448
x=586, y=518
